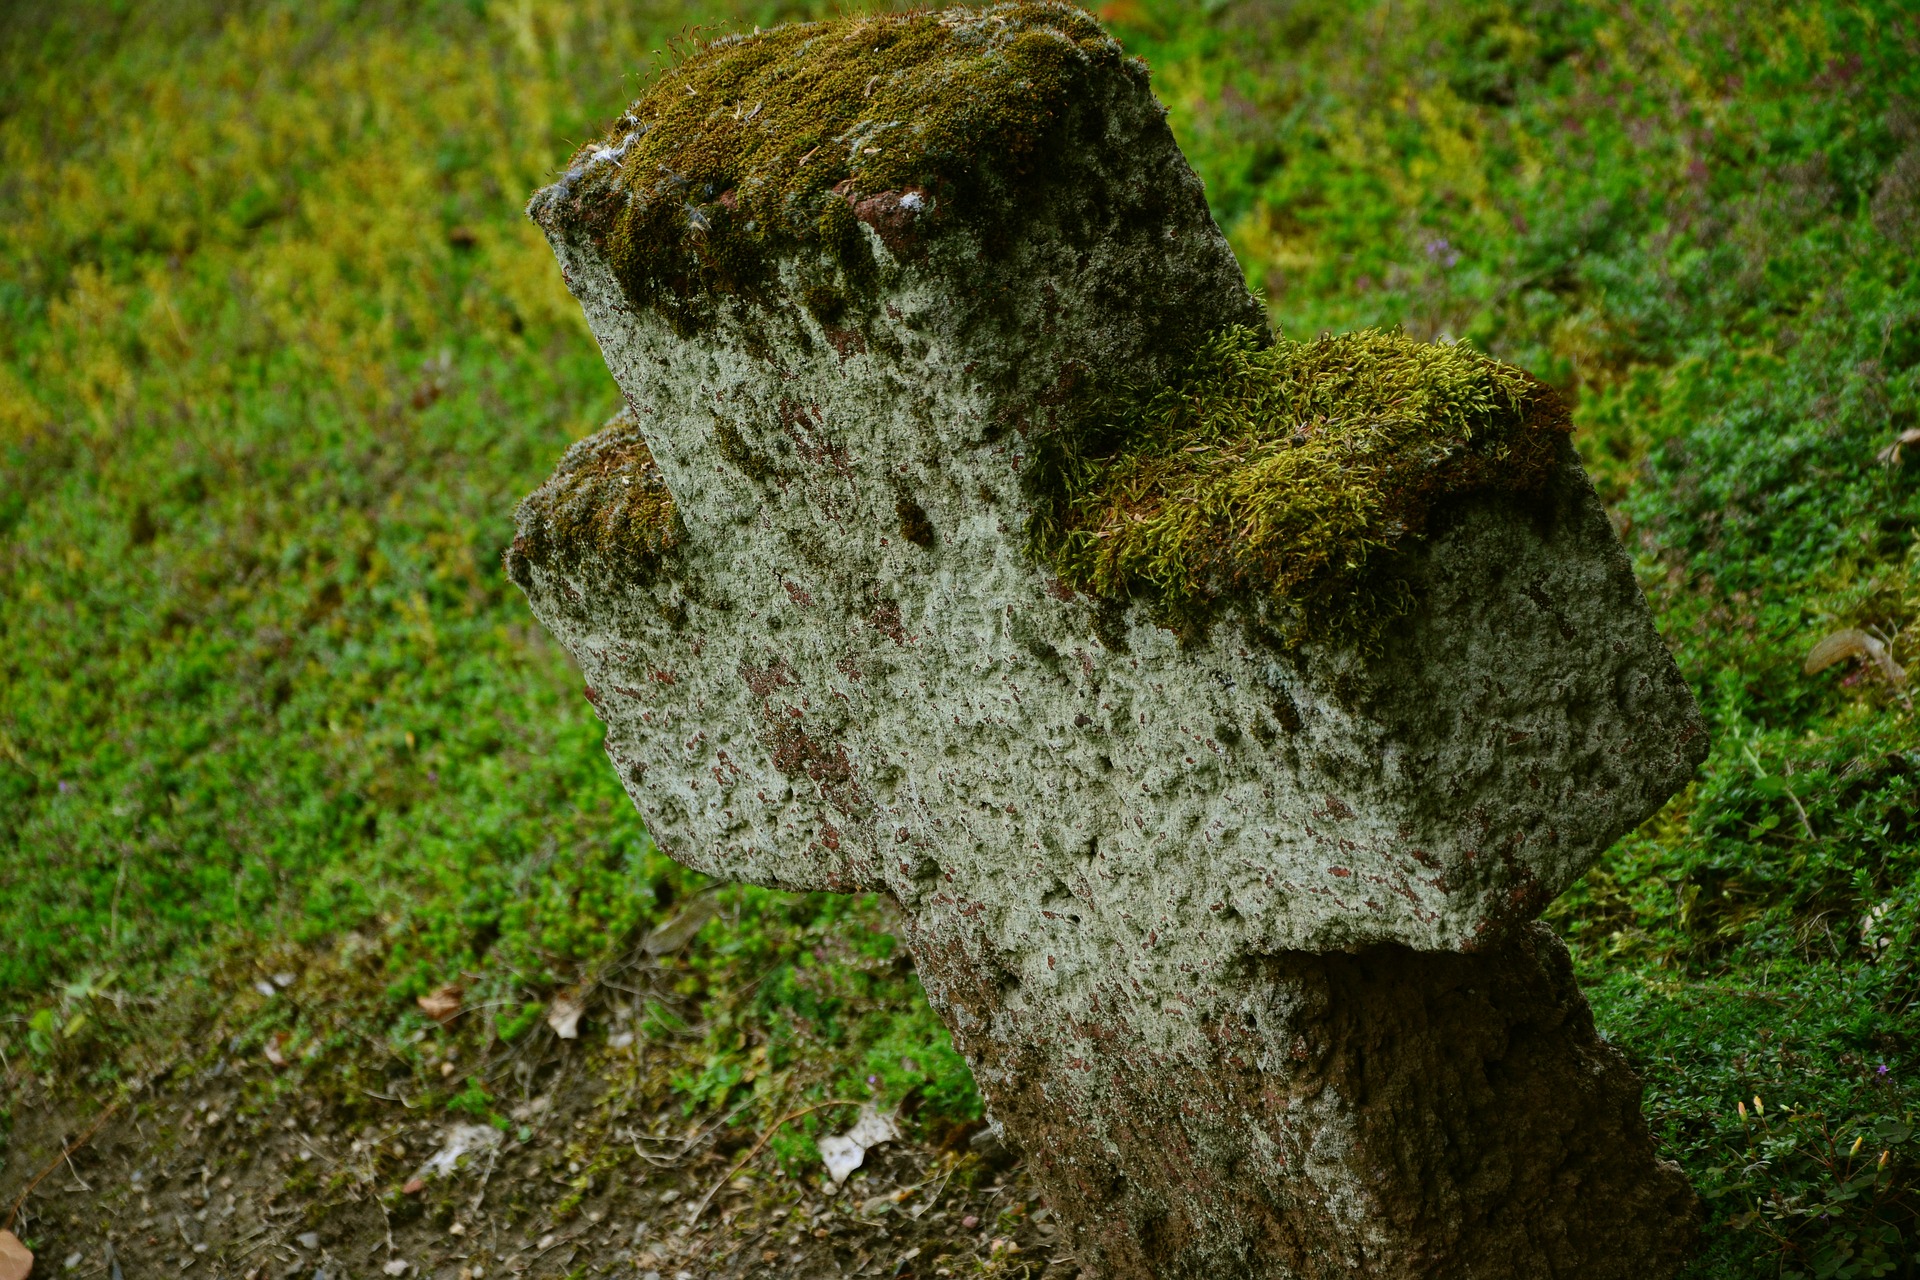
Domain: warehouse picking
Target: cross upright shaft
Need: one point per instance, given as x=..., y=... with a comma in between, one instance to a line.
x=1228, y=906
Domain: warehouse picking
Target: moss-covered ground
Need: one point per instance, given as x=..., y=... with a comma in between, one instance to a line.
x=278, y=355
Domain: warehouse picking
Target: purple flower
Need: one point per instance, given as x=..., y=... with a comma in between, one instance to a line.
x=1442, y=251
x=65, y=786
x=1881, y=1071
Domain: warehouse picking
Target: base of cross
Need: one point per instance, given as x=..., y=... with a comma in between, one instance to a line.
x=1391, y=1113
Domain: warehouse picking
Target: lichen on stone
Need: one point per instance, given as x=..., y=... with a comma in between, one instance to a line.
x=606, y=509
x=760, y=144
x=1293, y=475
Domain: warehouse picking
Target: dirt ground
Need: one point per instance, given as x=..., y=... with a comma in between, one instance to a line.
x=196, y=1175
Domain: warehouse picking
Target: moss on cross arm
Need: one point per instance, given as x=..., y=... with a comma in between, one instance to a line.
x=607, y=505
x=763, y=143
x=1290, y=475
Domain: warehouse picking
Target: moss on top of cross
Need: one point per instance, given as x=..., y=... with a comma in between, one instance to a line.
x=763, y=143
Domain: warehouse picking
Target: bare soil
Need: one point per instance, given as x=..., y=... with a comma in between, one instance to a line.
x=196, y=1175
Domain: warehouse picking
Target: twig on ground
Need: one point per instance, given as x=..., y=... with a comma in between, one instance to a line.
x=757, y=1148
x=99, y=1122
x=493, y=1158
x=68, y=1157
x=927, y=1202
x=384, y=1098
x=687, y=1145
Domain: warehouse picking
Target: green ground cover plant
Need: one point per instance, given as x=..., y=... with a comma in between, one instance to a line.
x=278, y=355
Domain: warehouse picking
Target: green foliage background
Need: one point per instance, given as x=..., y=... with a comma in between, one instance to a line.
x=278, y=355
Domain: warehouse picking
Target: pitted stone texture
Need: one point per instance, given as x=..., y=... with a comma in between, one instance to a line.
x=847, y=674
x=809, y=699
x=1389, y=1113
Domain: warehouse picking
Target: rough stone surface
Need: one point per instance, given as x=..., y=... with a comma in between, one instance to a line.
x=1386, y=1113
x=829, y=663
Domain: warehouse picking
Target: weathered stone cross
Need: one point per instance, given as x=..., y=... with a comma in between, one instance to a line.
x=1228, y=909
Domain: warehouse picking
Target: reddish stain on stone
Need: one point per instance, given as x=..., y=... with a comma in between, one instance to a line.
x=896, y=216
x=805, y=425
x=885, y=619
x=764, y=680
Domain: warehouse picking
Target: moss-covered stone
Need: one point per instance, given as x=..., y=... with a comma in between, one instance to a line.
x=1293, y=473
x=760, y=144
x=606, y=504
x=1124, y=859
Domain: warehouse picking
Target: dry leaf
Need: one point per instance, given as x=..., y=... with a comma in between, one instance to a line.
x=564, y=1017
x=272, y=1049
x=442, y=1005
x=16, y=1260
x=1890, y=456
x=678, y=932
x=1854, y=643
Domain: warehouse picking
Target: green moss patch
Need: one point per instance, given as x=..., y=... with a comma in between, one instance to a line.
x=1294, y=472
x=607, y=501
x=763, y=143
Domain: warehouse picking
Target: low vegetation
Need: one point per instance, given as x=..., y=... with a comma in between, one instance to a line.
x=279, y=354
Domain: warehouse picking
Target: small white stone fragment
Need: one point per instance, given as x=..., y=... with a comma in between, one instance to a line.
x=564, y=1017
x=845, y=1152
x=461, y=1140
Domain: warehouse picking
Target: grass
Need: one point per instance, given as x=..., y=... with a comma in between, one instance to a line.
x=278, y=355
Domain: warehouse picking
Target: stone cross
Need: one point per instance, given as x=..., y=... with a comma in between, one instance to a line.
x=1234, y=925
